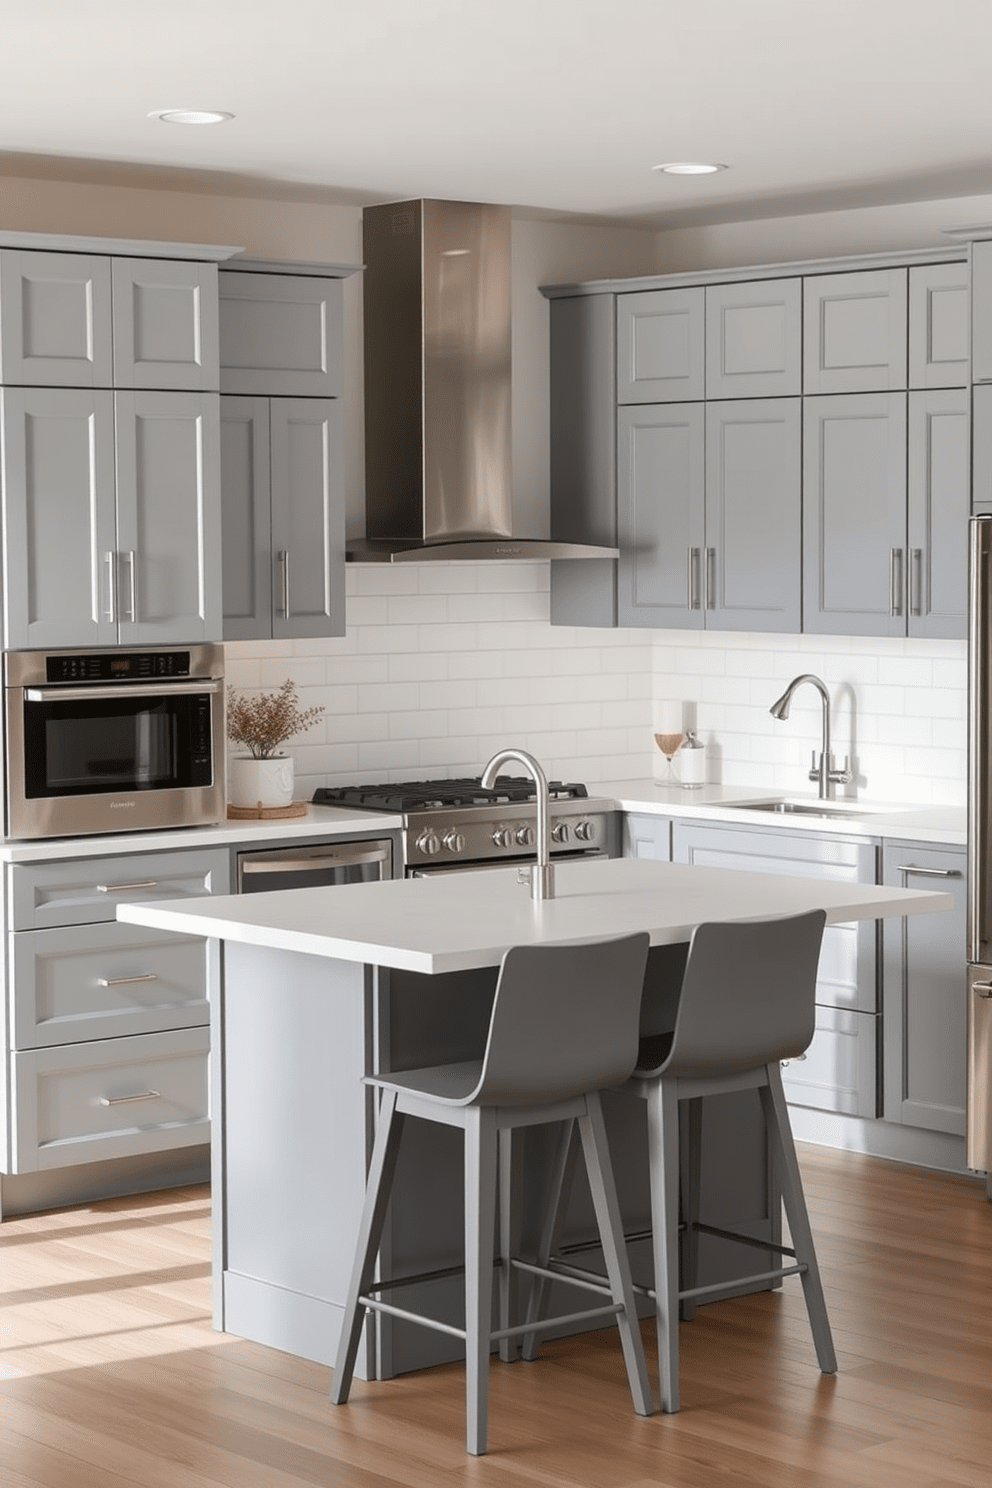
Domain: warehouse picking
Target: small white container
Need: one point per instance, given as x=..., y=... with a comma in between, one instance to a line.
x=260, y=782
x=692, y=763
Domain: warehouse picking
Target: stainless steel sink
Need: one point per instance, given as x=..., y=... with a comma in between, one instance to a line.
x=834, y=809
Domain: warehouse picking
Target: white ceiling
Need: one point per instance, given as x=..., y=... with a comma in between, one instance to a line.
x=560, y=105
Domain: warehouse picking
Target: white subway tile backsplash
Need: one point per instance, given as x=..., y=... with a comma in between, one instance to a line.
x=445, y=663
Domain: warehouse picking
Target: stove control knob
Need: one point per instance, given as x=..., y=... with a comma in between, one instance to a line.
x=429, y=843
x=559, y=832
x=454, y=842
x=502, y=837
x=525, y=836
x=585, y=831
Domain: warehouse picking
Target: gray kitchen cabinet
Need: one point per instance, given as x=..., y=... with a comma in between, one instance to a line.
x=854, y=514
x=855, y=331
x=280, y=333
x=111, y=525
x=981, y=448
x=838, y=1072
x=647, y=837
x=55, y=319
x=924, y=993
x=165, y=324
x=885, y=509
x=708, y=515
x=661, y=346
x=87, y=320
x=107, y=1048
x=283, y=518
x=938, y=325
x=981, y=311
x=754, y=339
x=939, y=504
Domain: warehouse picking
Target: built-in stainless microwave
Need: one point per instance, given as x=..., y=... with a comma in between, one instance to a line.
x=113, y=741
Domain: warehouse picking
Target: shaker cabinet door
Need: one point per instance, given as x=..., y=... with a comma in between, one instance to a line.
x=854, y=515
x=246, y=518
x=854, y=332
x=751, y=572
x=939, y=507
x=661, y=346
x=660, y=455
x=59, y=519
x=168, y=476
x=307, y=517
x=165, y=324
x=55, y=319
x=938, y=325
x=280, y=334
x=754, y=339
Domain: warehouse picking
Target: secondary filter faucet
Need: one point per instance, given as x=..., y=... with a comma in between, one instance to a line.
x=542, y=873
x=822, y=771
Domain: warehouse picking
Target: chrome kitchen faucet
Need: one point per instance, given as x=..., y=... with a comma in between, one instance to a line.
x=823, y=772
x=542, y=873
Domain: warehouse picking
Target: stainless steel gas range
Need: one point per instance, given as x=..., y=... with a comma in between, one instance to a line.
x=455, y=825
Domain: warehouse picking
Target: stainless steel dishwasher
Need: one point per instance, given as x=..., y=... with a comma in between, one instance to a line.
x=327, y=865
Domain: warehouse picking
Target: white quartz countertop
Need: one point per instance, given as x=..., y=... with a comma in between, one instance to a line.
x=320, y=821
x=454, y=922
x=728, y=803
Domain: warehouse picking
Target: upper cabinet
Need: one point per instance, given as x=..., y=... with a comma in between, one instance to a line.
x=280, y=334
x=661, y=346
x=981, y=311
x=86, y=320
x=938, y=325
x=282, y=468
x=754, y=339
x=854, y=331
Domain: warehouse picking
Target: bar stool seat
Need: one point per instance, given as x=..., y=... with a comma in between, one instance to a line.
x=746, y=1003
x=564, y=1025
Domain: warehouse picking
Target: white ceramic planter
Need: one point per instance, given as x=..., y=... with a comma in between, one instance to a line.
x=260, y=782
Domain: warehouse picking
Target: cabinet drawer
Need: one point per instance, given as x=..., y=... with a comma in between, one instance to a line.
x=280, y=334
x=88, y=982
x=838, y=1072
x=114, y=1098
x=79, y=891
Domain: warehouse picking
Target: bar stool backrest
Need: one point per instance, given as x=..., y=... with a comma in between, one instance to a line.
x=564, y=1021
x=747, y=996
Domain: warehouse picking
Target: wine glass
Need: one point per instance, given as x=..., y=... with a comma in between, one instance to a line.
x=670, y=744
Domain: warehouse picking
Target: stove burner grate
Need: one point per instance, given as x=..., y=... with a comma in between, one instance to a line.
x=431, y=795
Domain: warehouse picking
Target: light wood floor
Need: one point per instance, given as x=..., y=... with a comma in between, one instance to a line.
x=110, y=1374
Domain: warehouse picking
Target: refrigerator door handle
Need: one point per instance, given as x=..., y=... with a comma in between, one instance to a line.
x=979, y=619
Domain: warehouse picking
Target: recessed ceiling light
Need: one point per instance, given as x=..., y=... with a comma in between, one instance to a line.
x=689, y=168
x=190, y=116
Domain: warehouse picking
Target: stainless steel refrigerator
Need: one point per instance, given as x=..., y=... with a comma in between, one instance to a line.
x=979, y=1121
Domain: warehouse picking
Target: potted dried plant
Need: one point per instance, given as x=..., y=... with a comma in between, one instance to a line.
x=261, y=722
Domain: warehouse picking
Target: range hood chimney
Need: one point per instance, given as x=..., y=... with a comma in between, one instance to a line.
x=437, y=388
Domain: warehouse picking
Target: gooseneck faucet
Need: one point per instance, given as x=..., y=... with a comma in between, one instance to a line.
x=823, y=772
x=542, y=873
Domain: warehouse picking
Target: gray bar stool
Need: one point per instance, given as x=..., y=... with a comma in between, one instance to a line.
x=746, y=1003
x=564, y=1025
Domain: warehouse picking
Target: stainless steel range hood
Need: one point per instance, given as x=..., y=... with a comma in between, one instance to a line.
x=437, y=388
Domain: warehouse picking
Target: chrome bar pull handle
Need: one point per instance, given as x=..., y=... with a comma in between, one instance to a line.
x=126, y=888
x=916, y=581
x=148, y=976
x=111, y=610
x=895, y=581
x=132, y=587
x=283, y=559
x=929, y=872
x=693, y=569
x=709, y=583
x=125, y=1100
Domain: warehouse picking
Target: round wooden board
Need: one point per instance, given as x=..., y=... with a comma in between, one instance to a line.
x=267, y=813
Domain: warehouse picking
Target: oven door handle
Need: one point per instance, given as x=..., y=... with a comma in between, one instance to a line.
x=119, y=690
x=346, y=858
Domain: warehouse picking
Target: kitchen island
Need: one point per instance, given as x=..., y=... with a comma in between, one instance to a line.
x=313, y=988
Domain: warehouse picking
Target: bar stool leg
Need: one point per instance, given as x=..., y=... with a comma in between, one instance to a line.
x=377, y=1191
x=777, y=1120
x=480, y=1224
x=509, y=1209
x=663, y=1165
x=689, y=1179
x=559, y=1193
x=604, y=1196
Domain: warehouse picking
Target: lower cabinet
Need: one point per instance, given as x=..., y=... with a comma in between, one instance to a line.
x=838, y=1071
x=924, y=1007
x=109, y=1023
x=647, y=837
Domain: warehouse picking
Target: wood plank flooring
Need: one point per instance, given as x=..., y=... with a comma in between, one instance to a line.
x=111, y=1377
